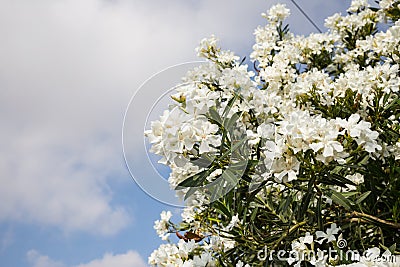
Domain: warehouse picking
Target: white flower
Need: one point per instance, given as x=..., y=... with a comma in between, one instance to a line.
x=237, y=77
x=329, y=235
x=207, y=46
x=329, y=147
x=300, y=245
x=396, y=151
x=162, y=226
x=186, y=247
x=386, y=3
x=285, y=169
x=333, y=21
x=277, y=13
x=188, y=263
x=300, y=248
x=241, y=264
x=253, y=138
x=227, y=57
x=356, y=178
x=361, y=132
x=165, y=255
x=357, y=5
x=266, y=131
x=205, y=259
x=205, y=132
x=233, y=223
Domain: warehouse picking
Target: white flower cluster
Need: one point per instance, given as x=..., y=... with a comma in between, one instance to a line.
x=162, y=226
x=177, y=255
x=288, y=109
x=304, y=247
x=189, y=253
x=386, y=4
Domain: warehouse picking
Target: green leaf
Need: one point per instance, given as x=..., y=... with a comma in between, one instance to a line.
x=349, y=194
x=339, y=199
x=229, y=106
x=183, y=225
x=253, y=214
x=204, y=161
x=190, y=192
x=221, y=208
x=392, y=248
x=284, y=205
x=194, y=180
x=231, y=176
x=233, y=149
x=216, y=189
x=336, y=179
x=239, y=166
x=362, y=197
x=214, y=115
x=229, y=123
x=214, y=220
x=319, y=214
x=306, y=199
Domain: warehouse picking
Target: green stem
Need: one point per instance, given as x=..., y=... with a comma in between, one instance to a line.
x=286, y=234
x=376, y=219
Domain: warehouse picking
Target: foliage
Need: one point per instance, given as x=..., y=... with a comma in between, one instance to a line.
x=301, y=154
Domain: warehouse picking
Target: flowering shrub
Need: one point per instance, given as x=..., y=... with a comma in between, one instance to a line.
x=300, y=155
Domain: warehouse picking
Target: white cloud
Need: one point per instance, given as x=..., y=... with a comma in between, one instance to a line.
x=38, y=260
x=67, y=71
x=128, y=259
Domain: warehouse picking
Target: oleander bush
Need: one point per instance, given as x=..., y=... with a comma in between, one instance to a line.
x=298, y=154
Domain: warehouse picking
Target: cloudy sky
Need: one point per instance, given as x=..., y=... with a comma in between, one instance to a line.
x=68, y=69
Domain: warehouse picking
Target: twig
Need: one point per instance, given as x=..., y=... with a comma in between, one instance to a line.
x=294, y=227
x=376, y=219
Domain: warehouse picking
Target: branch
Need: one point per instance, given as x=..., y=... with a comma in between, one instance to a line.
x=376, y=219
x=293, y=228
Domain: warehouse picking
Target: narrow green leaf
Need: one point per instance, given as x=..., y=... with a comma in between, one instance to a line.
x=319, y=214
x=306, y=199
x=204, y=161
x=241, y=165
x=341, y=200
x=362, y=197
x=392, y=248
x=222, y=208
x=229, y=106
x=253, y=214
x=229, y=123
x=349, y=194
x=233, y=148
x=194, y=180
x=214, y=115
x=231, y=176
x=190, y=192
x=340, y=179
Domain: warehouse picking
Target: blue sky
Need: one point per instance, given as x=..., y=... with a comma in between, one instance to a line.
x=68, y=69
